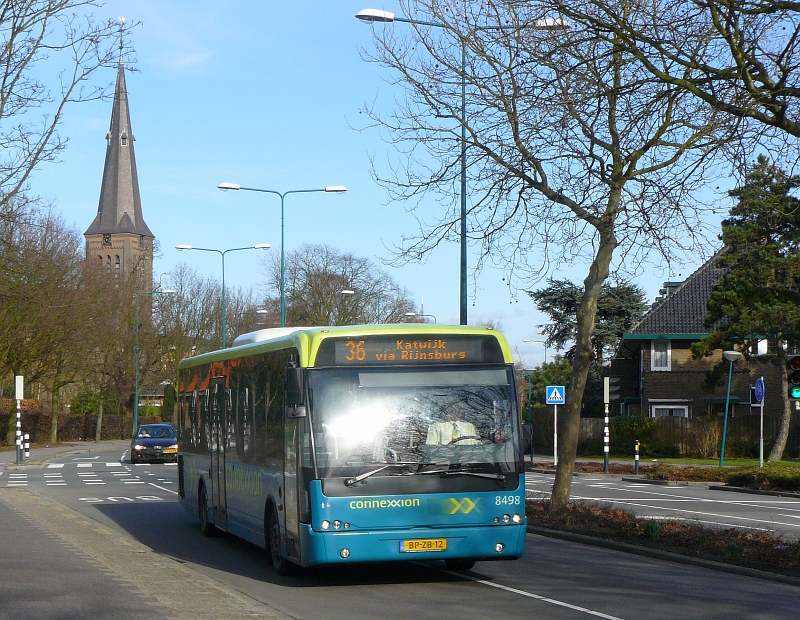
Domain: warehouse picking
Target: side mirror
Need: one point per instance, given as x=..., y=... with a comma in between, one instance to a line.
x=297, y=411
x=294, y=386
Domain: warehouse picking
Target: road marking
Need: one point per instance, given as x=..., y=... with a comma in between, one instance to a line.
x=55, y=466
x=85, y=464
x=538, y=597
x=694, y=512
x=56, y=484
x=152, y=484
x=113, y=464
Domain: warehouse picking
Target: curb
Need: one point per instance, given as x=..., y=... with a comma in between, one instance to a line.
x=670, y=483
x=577, y=474
x=663, y=555
x=755, y=491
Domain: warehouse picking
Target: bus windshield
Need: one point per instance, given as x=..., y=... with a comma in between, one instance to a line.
x=392, y=421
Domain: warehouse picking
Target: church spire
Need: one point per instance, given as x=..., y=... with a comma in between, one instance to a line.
x=120, y=207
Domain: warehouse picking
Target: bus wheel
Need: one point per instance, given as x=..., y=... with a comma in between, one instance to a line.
x=206, y=527
x=459, y=564
x=281, y=565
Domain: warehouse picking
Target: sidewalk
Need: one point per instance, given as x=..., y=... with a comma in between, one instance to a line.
x=43, y=455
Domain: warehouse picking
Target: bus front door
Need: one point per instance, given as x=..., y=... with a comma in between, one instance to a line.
x=219, y=435
x=290, y=483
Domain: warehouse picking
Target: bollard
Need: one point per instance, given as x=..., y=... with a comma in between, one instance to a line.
x=605, y=441
x=636, y=458
x=27, y=446
x=19, y=435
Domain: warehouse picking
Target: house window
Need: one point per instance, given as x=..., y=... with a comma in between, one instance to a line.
x=660, y=355
x=669, y=411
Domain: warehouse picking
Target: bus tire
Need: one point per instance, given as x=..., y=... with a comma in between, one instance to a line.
x=208, y=528
x=460, y=564
x=281, y=565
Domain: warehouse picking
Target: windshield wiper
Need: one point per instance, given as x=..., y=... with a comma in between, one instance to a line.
x=461, y=471
x=353, y=481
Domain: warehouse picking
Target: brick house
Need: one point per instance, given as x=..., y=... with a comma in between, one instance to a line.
x=657, y=375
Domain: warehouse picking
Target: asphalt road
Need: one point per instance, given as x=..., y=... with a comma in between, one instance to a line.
x=774, y=515
x=127, y=523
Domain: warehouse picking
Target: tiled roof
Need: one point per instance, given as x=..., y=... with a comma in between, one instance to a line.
x=684, y=311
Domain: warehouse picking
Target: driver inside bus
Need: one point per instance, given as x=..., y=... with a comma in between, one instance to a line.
x=454, y=431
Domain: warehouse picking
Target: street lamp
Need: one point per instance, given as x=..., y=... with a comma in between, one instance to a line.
x=410, y=314
x=330, y=189
x=386, y=17
x=544, y=342
x=166, y=291
x=260, y=246
x=731, y=356
x=377, y=297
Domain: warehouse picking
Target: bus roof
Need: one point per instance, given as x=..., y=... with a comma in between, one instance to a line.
x=308, y=339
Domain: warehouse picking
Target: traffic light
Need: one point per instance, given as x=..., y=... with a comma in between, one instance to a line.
x=794, y=376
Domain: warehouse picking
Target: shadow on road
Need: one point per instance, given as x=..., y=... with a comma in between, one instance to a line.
x=167, y=529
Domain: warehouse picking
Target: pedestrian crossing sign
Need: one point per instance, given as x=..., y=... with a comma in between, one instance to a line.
x=554, y=395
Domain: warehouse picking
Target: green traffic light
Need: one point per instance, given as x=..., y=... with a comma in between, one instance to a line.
x=794, y=392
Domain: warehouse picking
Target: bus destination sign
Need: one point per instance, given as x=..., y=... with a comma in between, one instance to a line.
x=408, y=350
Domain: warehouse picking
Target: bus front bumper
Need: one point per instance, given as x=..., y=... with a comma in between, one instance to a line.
x=502, y=542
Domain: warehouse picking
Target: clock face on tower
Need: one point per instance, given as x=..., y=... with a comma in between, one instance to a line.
x=106, y=239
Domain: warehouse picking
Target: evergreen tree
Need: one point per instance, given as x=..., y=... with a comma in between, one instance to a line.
x=759, y=297
x=618, y=308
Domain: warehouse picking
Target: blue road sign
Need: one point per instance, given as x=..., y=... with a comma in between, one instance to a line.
x=759, y=389
x=554, y=395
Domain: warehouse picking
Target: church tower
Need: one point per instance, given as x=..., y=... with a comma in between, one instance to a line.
x=118, y=238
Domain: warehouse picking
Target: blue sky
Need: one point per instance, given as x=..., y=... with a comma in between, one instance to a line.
x=266, y=94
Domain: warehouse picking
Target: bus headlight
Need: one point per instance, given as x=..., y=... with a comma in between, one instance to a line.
x=516, y=519
x=325, y=525
x=337, y=524
x=499, y=547
x=345, y=553
x=506, y=518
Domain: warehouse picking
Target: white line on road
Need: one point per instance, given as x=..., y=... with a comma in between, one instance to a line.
x=537, y=597
x=691, y=512
x=55, y=466
x=153, y=484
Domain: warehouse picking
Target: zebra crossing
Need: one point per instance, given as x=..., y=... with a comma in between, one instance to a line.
x=89, y=474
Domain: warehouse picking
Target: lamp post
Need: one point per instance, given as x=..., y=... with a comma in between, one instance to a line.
x=410, y=314
x=330, y=189
x=529, y=376
x=260, y=246
x=386, y=17
x=731, y=356
x=166, y=291
x=544, y=342
x=377, y=297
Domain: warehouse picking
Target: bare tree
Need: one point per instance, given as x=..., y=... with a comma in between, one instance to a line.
x=741, y=57
x=574, y=152
x=315, y=277
x=37, y=38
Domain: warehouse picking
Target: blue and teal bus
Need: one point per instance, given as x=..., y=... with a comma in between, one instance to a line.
x=331, y=445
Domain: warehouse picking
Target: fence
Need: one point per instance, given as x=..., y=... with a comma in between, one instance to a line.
x=698, y=437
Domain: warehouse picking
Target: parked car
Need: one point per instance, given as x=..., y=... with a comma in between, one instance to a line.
x=154, y=442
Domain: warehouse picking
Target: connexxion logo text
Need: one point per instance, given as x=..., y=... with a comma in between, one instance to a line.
x=384, y=503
